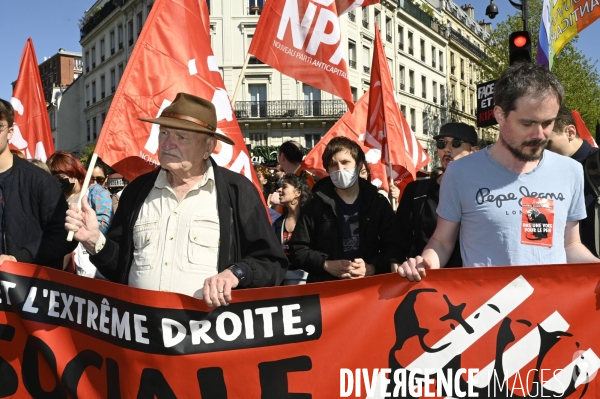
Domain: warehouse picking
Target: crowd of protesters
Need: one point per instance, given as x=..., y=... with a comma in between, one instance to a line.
x=198, y=229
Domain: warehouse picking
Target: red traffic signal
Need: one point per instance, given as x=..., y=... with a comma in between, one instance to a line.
x=519, y=47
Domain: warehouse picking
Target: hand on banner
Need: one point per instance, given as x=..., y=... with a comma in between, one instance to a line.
x=414, y=268
x=361, y=269
x=7, y=257
x=338, y=268
x=84, y=223
x=217, y=289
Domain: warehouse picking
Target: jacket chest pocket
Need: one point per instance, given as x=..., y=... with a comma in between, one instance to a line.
x=145, y=242
x=203, y=244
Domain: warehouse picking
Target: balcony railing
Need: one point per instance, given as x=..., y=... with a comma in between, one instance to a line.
x=417, y=13
x=402, y=86
x=411, y=51
x=352, y=64
x=365, y=24
x=254, y=61
x=289, y=109
x=412, y=90
x=460, y=39
x=366, y=69
x=388, y=38
x=435, y=100
x=352, y=16
x=401, y=46
x=433, y=64
x=424, y=95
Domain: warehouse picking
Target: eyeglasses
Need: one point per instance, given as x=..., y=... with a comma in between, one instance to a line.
x=441, y=143
x=2, y=127
x=99, y=180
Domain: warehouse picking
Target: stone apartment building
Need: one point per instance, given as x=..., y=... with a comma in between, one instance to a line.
x=419, y=41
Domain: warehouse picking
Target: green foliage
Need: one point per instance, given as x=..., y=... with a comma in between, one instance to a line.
x=577, y=72
x=87, y=152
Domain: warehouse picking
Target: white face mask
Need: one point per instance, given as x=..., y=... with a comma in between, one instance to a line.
x=344, y=178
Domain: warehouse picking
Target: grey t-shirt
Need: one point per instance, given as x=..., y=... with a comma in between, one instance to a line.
x=487, y=199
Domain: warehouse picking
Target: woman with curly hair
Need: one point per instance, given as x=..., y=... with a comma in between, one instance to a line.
x=294, y=192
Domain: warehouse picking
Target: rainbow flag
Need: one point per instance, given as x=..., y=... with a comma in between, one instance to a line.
x=561, y=20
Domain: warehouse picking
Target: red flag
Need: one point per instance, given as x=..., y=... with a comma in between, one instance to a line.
x=582, y=129
x=302, y=39
x=32, y=134
x=173, y=54
x=388, y=136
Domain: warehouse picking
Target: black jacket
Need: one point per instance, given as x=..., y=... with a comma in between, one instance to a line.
x=587, y=231
x=318, y=232
x=246, y=237
x=34, y=216
x=416, y=220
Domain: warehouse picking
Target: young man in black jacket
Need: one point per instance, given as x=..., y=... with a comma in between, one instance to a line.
x=33, y=206
x=345, y=230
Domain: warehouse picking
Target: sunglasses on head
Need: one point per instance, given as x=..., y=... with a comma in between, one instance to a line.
x=441, y=143
x=99, y=180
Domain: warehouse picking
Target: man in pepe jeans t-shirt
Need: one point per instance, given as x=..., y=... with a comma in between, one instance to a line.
x=514, y=203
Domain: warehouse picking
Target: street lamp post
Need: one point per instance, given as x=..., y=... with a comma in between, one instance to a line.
x=523, y=7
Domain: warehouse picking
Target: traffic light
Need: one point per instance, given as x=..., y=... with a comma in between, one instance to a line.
x=519, y=47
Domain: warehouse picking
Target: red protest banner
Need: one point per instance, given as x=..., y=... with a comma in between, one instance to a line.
x=499, y=332
x=32, y=134
x=302, y=39
x=172, y=55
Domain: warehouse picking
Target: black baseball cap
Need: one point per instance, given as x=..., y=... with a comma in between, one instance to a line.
x=458, y=130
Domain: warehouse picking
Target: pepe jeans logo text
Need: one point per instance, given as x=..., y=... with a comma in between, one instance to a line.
x=485, y=195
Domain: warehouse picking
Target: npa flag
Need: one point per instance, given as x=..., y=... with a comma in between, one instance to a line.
x=172, y=55
x=490, y=332
x=388, y=136
x=303, y=39
x=32, y=133
x=582, y=129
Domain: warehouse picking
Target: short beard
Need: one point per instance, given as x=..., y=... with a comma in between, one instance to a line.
x=522, y=156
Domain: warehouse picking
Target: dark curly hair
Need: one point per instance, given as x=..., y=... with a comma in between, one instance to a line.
x=298, y=183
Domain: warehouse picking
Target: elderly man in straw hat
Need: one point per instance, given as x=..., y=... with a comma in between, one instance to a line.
x=191, y=226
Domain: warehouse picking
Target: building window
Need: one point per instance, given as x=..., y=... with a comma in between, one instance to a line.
x=441, y=59
x=352, y=54
x=366, y=61
x=94, y=92
x=102, y=119
x=255, y=7
x=87, y=95
x=411, y=50
x=113, y=81
x=422, y=50
x=413, y=120
x=452, y=65
x=258, y=139
x=312, y=100
x=102, y=87
x=102, y=55
x=111, y=36
x=93, y=57
x=120, y=35
x=462, y=69
x=388, y=29
x=423, y=86
x=311, y=140
x=401, y=37
x=433, y=53
x=139, y=24
x=354, y=92
x=425, y=121
x=120, y=75
x=87, y=61
x=434, y=91
x=402, y=78
x=411, y=81
x=130, y=32
x=258, y=100
x=94, y=128
x=89, y=130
